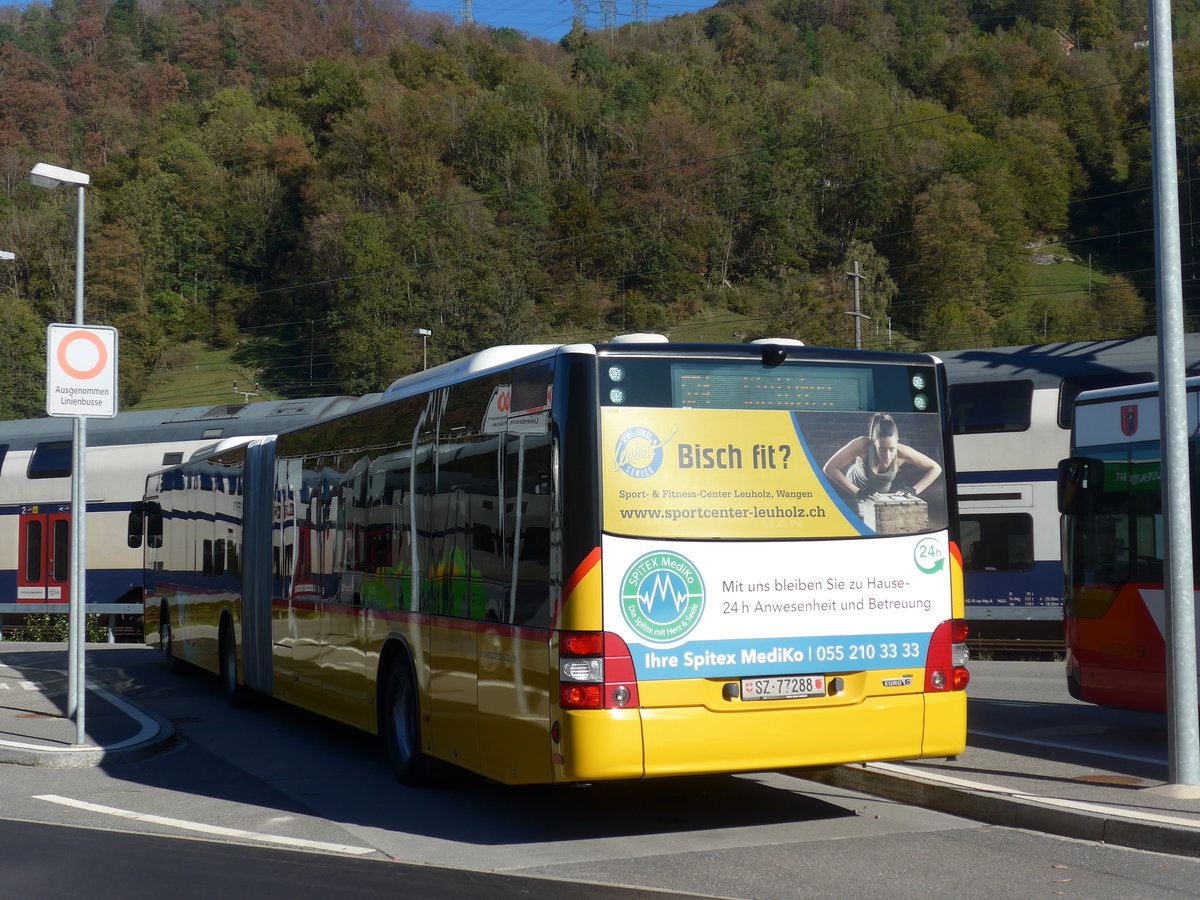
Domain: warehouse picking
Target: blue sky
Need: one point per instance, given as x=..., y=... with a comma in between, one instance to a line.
x=551, y=19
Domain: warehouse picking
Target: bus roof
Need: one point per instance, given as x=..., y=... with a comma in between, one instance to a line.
x=1129, y=391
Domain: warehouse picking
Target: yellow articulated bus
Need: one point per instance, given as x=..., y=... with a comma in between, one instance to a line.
x=590, y=561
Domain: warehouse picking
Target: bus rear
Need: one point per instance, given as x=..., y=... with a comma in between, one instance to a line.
x=1110, y=492
x=742, y=609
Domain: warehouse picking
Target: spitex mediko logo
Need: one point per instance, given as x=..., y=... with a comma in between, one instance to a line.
x=662, y=596
x=639, y=452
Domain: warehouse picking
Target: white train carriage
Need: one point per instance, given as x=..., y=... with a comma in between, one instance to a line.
x=35, y=494
x=1011, y=411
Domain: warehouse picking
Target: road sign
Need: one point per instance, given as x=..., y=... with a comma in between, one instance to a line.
x=81, y=371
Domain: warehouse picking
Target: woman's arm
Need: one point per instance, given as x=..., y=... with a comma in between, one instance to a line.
x=835, y=466
x=921, y=461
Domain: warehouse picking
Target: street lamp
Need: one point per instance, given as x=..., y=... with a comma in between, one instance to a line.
x=45, y=175
x=424, y=333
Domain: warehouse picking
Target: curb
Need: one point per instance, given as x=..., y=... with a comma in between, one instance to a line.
x=155, y=735
x=1017, y=809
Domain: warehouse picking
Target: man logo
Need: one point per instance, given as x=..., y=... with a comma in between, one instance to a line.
x=1129, y=420
x=662, y=596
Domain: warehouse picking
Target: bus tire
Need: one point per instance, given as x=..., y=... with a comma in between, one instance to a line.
x=166, y=642
x=401, y=725
x=236, y=694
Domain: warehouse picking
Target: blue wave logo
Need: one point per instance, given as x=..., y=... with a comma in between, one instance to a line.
x=662, y=596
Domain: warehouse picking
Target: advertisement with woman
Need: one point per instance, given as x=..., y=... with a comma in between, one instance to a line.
x=730, y=549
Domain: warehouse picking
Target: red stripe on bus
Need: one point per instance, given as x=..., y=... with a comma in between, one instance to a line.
x=956, y=552
x=581, y=572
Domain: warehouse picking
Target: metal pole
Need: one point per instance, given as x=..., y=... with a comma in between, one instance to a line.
x=857, y=314
x=1183, y=717
x=78, y=662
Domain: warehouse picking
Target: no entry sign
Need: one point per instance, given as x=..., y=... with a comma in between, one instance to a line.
x=81, y=371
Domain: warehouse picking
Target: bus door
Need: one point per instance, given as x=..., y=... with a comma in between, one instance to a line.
x=44, y=571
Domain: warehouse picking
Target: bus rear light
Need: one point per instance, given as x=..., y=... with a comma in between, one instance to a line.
x=581, y=696
x=961, y=678
x=586, y=670
x=595, y=671
x=581, y=643
x=948, y=652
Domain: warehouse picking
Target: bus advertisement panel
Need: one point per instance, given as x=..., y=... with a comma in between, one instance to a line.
x=747, y=604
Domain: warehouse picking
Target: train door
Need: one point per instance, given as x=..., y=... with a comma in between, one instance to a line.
x=44, y=571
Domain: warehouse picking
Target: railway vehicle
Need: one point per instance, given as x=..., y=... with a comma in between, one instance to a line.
x=590, y=561
x=35, y=496
x=1011, y=412
x=1113, y=548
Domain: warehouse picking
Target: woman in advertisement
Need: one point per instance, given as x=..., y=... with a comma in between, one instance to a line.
x=866, y=467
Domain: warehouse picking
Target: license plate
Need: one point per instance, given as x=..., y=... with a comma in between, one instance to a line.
x=783, y=687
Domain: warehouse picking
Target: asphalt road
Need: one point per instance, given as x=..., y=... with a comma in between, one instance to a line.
x=275, y=802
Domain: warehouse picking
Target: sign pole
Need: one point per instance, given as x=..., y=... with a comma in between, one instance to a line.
x=81, y=381
x=79, y=513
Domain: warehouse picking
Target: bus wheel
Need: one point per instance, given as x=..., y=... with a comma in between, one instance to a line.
x=166, y=646
x=402, y=726
x=235, y=693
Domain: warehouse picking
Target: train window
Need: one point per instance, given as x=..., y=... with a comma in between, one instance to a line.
x=50, y=459
x=990, y=407
x=3, y=453
x=997, y=542
x=1074, y=385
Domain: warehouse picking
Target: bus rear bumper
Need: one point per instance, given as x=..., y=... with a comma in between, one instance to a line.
x=659, y=742
x=1123, y=688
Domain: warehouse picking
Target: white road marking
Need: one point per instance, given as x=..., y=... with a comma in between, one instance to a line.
x=147, y=727
x=1074, y=748
x=1112, y=811
x=202, y=828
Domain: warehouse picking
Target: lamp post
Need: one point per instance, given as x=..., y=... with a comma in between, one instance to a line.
x=47, y=176
x=424, y=333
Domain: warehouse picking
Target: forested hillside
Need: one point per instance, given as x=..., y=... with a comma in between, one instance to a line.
x=310, y=181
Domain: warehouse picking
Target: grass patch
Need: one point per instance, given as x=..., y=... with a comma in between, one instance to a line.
x=200, y=376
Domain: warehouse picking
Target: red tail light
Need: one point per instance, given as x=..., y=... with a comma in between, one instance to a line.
x=945, y=663
x=595, y=671
x=581, y=643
